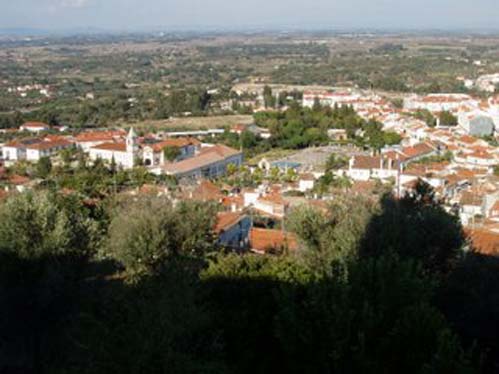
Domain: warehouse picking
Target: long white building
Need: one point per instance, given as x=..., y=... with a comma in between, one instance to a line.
x=440, y=102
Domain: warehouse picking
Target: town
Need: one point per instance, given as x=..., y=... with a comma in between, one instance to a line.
x=445, y=140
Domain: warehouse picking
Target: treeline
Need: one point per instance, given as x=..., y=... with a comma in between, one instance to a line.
x=121, y=106
x=300, y=127
x=140, y=285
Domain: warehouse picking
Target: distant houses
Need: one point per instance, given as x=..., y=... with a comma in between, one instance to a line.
x=387, y=165
x=32, y=149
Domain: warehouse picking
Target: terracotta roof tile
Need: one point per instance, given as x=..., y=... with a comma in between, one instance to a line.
x=264, y=240
x=95, y=136
x=44, y=145
x=484, y=241
x=226, y=220
x=116, y=147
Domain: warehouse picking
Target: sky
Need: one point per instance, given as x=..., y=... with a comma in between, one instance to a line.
x=135, y=15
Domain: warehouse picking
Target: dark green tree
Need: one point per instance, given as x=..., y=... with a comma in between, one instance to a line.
x=171, y=153
x=43, y=167
x=447, y=119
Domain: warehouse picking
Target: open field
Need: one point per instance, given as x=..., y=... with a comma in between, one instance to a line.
x=193, y=123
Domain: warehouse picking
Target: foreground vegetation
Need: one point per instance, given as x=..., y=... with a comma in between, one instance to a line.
x=138, y=285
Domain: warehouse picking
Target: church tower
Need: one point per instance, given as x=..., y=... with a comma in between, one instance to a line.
x=132, y=148
x=131, y=142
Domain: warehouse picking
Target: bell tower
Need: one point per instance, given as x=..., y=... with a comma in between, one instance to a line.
x=131, y=142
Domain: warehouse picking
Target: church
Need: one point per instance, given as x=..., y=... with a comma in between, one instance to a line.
x=124, y=153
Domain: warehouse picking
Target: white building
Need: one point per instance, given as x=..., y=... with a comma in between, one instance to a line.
x=35, y=127
x=440, y=102
x=356, y=100
x=306, y=182
x=476, y=123
x=33, y=149
x=364, y=168
x=123, y=153
x=153, y=154
x=87, y=140
x=488, y=82
x=46, y=149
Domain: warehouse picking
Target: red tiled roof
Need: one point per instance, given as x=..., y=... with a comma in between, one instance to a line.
x=373, y=162
x=221, y=150
x=467, y=139
x=22, y=143
x=95, y=136
x=172, y=142
x=264, y=240
x=418, y=150
x=116, y=147
x=238, y=201
x=481, y=154
x=445, y=98
x=44, y=145
x=274, y=197
x=484, y=241
x=226, y=220
x=207, y=191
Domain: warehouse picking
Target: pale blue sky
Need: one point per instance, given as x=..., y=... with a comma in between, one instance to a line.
x=151, y=14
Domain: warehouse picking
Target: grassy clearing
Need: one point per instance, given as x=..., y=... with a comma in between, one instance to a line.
x=193, y=123
x=272, y=155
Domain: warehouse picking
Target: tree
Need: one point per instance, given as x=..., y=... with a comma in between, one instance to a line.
x=67, y=155
x=447, y=119
x=248, y=139
x=57, y=225
x=391, y=138
x=145, y=233
x=43, y=167
x=44, y=241
x=415, y=227
x=268, y=97
x=373, y=134
x=329, y=236
x=231, y=169
x=426, y=116
x=113, y=167
x=335, y=162
x=316, y=107
x=171, y=153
